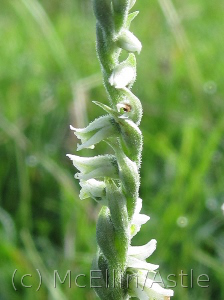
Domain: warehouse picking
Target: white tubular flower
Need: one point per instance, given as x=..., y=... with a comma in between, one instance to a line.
x=128, y=41
x=147, y=289
x=138, y=254
x=122, y=76
x=138, y=219
x=142, y=252
x=137, y=264
x=95, y=167
x=92, y=188
x=98, y=130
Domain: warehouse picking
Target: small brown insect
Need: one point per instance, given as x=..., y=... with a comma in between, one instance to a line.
x=126, y=107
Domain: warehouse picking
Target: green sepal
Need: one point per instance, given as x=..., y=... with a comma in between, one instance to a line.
x=130, y=18
x=131, y=60
x=108, y=109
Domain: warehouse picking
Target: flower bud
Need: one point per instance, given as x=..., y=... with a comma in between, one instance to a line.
x=122, y=76
x=125, y=73
x=128, y=41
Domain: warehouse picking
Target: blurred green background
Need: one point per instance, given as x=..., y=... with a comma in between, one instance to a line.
x=49, y=74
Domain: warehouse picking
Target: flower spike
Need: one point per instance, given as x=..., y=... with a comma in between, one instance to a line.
x=113, y=180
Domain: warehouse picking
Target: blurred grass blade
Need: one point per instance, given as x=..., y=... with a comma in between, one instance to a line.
x=38, y=263
x=178, y=31
x=55, y=44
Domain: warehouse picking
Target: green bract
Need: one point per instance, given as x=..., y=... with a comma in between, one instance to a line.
x=114, y=180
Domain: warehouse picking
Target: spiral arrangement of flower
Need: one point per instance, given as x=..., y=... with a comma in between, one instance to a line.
x=114, y=179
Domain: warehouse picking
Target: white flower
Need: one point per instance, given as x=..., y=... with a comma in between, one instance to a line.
x=142, y=252
x=147, y=289
x=98, y=130
x=138, y=219
x=122, y=76
x=95, y=167
x=128, y=41
x=138, y=264
x=138, y=254
x=92, y=188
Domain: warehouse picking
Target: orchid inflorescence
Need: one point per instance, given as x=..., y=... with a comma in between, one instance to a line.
x=114, y=179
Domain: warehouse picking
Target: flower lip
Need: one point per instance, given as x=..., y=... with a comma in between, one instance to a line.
x=140, y=264
x=142, y=252
x=146, y=288
x=95, y=167
x=92, y=188
x=98, y=130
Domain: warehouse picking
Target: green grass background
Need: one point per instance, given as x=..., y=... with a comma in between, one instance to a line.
x=49, y=74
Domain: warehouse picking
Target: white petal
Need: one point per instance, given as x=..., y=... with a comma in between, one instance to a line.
x=146, y=289
x=94, y=125
x=96, y=138
x=142, y=252
x=154, y=290
x=122, y=76
x=140, y=219
x=133, y=262
x=128, y=41
x=138, y=206
x=92, y=188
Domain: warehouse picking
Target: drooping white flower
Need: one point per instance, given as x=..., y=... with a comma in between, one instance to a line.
x=138, y=254
x=95, y=167
x=146, y=289
x=128, y=41
x=92, y=188
x=142, y=252
x=122, y=76
x=139, y=264
x=98, y=130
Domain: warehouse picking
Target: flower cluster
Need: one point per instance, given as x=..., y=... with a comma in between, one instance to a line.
x=114, y=180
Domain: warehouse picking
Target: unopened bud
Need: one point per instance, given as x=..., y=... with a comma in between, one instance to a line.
x=128, y=41
x=122, y=76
